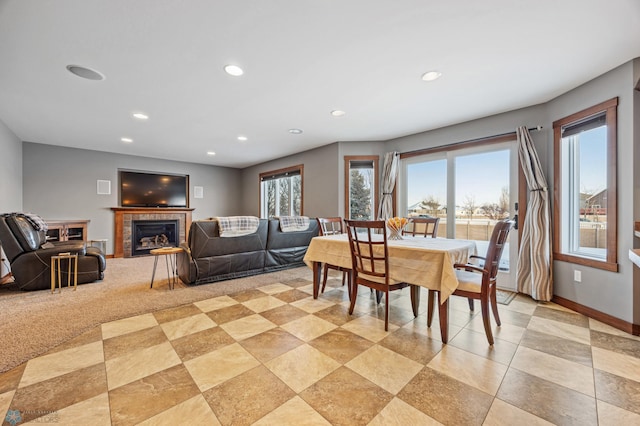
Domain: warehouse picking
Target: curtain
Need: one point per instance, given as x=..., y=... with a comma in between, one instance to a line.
x=389, y=174
x=534, y=273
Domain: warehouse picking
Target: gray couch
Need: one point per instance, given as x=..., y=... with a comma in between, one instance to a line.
x=208, y=257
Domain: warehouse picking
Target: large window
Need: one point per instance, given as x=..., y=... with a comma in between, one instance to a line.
x=585, y=195
x=361, y=187
x=281, y=192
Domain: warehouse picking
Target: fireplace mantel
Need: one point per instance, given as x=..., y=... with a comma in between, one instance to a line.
x=124, y=215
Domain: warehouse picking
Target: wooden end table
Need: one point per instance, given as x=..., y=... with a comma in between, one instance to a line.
x=56, y=270
x=167, y=252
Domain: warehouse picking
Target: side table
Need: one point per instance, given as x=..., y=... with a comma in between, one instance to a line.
x=170, y=256
x=56, y=270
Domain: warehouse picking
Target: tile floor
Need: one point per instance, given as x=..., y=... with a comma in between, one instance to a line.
x=275, y=356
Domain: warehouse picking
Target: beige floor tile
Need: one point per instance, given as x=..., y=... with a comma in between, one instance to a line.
x=94, y=411
x=261, y=304
x=504, y=414
x=610, y=415
x=312, y=305
x=270, y=344
x=215, y=303
x=197, y=344
x=63, y=362
x=10, y=379
x=412, y=345
x=196, y=410
x=618, y=391
x=604, y=328
x=369, y=328
x=123, y=344
x=564, y=315
x=560, y=329
x=306, y=288
x=476, y=342
x=616, y=363
x=283, y=314
x=469, y=368
x=389, y=370
x=246, y=327
x=218, y=366
x=189, y=325
x=419, y=325
x=179, y=312
x=127, y=325
x=230, y=313
x=274, y=288
x=554, y=345
x=346, y=398
x=555, y=369
x=308, y=327
x=518, y=305
x=5, y=402
x=295, y=411
x=399, y=413
x=141, y=363
x=341, y=345
x=507, y=332
x=301, y=367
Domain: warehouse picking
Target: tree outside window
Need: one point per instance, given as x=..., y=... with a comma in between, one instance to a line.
x=361, y=187
x=281, y=192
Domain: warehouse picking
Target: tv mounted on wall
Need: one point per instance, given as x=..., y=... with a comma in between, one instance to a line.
x=148, y=189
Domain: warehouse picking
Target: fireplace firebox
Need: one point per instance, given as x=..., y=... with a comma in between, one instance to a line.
x=152, y=234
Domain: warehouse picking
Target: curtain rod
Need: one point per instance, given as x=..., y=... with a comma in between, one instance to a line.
x=485, y=138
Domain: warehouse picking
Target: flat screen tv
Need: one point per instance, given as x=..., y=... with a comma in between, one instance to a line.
x=147, y=189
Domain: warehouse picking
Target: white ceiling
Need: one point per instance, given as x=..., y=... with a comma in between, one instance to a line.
x=301, y=58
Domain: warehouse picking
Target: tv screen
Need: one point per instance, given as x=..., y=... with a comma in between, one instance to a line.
x=144, y=189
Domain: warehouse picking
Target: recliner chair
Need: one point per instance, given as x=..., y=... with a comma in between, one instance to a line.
x=31, y=264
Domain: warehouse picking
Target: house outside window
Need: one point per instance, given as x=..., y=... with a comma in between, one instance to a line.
x=361, y=187
x=585, y=207
x=281, y=192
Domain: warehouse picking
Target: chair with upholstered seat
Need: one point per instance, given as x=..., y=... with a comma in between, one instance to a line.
x=428, y=227
x=370, y=263
x=332, y=226
x=478, y=282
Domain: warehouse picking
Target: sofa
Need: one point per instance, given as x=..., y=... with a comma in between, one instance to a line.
x=29, y=254
x=208, y=257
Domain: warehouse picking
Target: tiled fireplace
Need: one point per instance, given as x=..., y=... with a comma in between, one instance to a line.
x=126, y=216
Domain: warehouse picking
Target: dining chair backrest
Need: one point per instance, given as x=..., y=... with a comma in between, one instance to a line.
x=429, y=228
x=496, y=246
x=369, y=251
x=330, y=225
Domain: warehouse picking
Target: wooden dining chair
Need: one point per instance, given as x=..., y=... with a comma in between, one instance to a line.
x=478, y=282
x=332, y=226
x=430, y=227
x=370, y=263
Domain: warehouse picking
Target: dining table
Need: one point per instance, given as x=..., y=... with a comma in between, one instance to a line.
x=420, y=261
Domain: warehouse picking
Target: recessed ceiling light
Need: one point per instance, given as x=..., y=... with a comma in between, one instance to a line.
x=242, y=138
x=431, y=75
x=140, y=116
x=211, y=153
x=337, y=113
x=126, y=140
x=85, y=72
x=233, y=70
x=295, y=131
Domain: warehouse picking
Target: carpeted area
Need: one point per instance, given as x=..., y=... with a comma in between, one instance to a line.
x=34, y=322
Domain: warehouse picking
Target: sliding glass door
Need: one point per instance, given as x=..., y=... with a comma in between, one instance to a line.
x=469, y=189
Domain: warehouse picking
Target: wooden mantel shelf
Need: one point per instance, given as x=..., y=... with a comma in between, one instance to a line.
x=182, y=214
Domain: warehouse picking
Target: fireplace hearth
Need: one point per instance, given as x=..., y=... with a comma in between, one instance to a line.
x=152, y=234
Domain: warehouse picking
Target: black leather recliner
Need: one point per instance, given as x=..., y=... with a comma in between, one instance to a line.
x=31, y=264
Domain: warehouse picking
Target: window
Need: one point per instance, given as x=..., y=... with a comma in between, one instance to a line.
x=361, y=187
x=585, y=191
x=281, y=192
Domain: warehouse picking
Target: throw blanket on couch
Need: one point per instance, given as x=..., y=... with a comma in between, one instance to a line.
x=235, y=226
x=294, y=223
x=35, y=220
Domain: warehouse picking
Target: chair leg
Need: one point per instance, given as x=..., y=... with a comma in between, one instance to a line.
x=430, y=307
x=470, y=300
x=325, y=272
x=415, y=299
x=494, y=306
x=378, y=296
x=344, y=274
x=486, y=320
x=386, y=310
x=349, y=282
x=354, y=296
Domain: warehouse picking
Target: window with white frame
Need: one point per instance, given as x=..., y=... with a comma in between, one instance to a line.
x=281, y=192
x=585, y=208
x=361, y=187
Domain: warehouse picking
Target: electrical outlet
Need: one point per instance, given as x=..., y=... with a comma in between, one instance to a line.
x=577, y=276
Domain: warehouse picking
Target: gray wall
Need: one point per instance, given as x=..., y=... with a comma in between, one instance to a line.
x=322, y=168
x=60, y=183
x=10, y=171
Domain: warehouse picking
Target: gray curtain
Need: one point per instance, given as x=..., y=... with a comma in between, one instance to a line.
x=534, y=259
x=389, y=174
